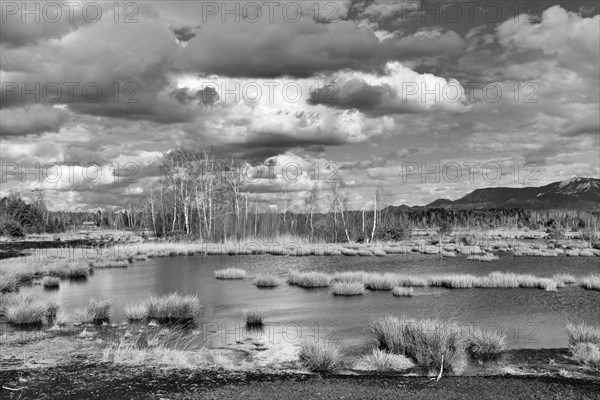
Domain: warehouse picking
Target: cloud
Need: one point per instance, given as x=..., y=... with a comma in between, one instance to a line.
x=399, y=90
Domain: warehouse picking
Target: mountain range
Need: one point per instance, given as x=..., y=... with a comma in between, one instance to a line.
x=575, y=193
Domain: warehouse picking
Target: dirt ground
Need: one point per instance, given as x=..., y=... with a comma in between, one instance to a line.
x=104, y=381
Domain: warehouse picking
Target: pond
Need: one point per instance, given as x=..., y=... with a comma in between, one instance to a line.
x=531, y=318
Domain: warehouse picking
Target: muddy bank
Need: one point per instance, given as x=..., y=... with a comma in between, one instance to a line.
x=103, y=381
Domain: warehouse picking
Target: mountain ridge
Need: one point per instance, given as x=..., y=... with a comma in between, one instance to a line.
x=577, y=193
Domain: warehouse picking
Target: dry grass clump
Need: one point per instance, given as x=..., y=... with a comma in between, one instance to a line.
x=382, y=361
x=173, y=307
x=587, y=354
x=347, y=288
x=431, y=344
x=381, y=282
x=582, y=333
x=230, y=273
x=255, y=317
x=8, y=283
x=484, y=344
x=308, y=279
x=402, y=291
x=266, y=280
x=96, y=311
x=28, y=310
x=320, y=356
x=453, y=281
x=591, y=282
x=136, y=312
x=51, y=282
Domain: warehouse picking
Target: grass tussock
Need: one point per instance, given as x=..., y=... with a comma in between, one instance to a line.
x=230, y=273
x=587, y=354
x=8, y=283
x=402, y=291
x=28, y=310
x=309, y=279
x=582, y=333
x=347, y=288
x=136, y=312
x=381, y=282
x=320, y=356
x=563, y=279
x=266, y=280
x=51, y=282
x=255, y=317
x=431, y=344
x=173, y=307
x=591, y=282
x=483, y=344
x=382, y=361
x=453, y=281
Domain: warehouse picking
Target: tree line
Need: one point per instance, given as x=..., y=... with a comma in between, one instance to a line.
x=205, y=198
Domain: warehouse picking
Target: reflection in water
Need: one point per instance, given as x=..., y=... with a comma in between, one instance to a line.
x=531, y=318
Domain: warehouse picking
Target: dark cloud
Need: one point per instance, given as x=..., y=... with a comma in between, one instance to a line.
x=185, y=34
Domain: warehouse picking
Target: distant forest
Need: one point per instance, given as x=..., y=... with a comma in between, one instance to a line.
x=191, y=201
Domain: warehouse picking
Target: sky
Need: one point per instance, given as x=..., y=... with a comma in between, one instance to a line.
x=419, y=99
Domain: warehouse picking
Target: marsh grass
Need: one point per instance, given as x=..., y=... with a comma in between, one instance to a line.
x=266, y=280
x=591, y=282
x=230, y=273
x=347, y=288
x=381, y=281
x=430, y=344
x=136, y=312
x=255, y=317
x=320, y=356
x=308, y=279
x=51, y=282
x=173, y=307
x=484, y=344
x=402, y=291
x=382, y=361
x=582, y=333
x=453, y=281
x=563, y=279
x=28, y=310
x=8, y=283
x=586, y=353
x=110, y=264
